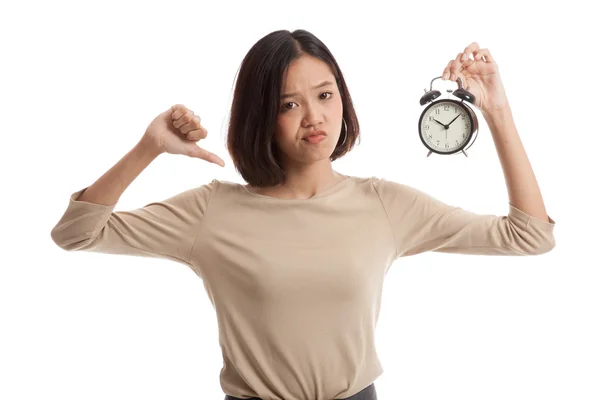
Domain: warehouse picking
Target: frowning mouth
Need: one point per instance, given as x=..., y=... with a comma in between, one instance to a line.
x=315, y=134
x=314, y=139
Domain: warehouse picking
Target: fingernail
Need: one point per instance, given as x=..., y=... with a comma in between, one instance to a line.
x=464, y=57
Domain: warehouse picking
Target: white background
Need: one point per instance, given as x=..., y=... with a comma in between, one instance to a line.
x=80, y=81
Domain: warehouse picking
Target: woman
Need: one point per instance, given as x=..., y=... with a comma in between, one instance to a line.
x=294, y=261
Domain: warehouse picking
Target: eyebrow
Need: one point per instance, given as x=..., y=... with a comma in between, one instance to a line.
x=324, y=83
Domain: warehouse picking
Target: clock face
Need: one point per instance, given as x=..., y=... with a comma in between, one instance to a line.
x=445, y=126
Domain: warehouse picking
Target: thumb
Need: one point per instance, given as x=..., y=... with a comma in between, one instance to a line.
x=198, y=152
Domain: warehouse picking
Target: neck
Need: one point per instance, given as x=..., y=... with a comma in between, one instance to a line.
x=306, y=181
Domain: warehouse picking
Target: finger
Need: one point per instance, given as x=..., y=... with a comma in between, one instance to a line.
x=470, y=49
x=184, y=119
x=467, y=64
x=484, y=54
x=199, y=152
x=190, y=126
x=177, y=111
x=446, y=73
x=455, y=66
x=197, y=134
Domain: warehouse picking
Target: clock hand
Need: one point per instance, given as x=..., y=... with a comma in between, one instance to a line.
x=446, y=127
x=454, y=119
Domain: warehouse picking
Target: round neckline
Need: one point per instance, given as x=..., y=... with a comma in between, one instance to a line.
x=329, y=191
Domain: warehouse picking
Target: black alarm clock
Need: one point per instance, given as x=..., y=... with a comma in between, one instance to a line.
x=446, y=126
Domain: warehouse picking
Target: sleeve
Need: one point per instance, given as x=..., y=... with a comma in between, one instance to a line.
x=421, y=222
x=163, y=229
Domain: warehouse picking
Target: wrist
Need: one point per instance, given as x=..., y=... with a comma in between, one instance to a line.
x=499, y=113
x=149, y=147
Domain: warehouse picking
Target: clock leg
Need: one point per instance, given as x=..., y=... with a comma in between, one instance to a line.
x=463, y=150
x=428, y=154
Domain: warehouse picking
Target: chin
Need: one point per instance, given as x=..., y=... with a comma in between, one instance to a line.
x=311, y=156
x=316, y=157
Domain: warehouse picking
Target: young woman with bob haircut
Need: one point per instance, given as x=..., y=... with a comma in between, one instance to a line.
x=294, y=260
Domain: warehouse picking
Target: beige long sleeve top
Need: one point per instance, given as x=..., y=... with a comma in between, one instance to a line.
x=296, y=284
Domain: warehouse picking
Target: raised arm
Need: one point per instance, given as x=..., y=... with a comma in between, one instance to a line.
x=481, y=75
x=421, y=222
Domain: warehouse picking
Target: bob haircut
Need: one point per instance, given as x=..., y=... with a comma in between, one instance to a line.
x=255, y=105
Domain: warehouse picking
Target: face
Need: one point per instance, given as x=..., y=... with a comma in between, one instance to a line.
x=310, y=101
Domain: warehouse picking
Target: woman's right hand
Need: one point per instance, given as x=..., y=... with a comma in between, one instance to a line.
x=176, y=131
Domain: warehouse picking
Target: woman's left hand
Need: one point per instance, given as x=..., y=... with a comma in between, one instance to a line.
x=480, y=76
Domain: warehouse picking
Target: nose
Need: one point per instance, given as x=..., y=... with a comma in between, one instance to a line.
x=312, y=116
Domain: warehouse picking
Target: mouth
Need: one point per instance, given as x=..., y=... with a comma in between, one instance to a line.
x=315, y=134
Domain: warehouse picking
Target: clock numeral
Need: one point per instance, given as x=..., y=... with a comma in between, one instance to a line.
x=446, y=107
x=437, y=110
x=426, y=126
x=463, y=116
x=457, y=141
x=446, y=145
x=464, y=135
x=430, y=137
x=455, y=110
x=430, y=118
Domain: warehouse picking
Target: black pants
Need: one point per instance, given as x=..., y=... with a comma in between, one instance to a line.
x=367, y=393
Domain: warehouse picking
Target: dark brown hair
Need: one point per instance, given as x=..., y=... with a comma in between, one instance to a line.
x=255, y=106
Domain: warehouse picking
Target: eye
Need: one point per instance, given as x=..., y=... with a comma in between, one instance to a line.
x=285, y=106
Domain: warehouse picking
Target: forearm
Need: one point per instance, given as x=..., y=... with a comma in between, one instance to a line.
x=523, y=190
x=109, y=187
